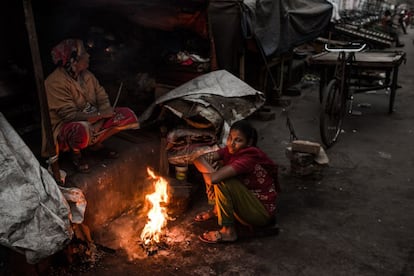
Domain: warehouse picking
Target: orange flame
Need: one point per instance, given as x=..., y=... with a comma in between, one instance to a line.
x=157, y=215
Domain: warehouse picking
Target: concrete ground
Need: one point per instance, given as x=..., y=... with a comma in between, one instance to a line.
x=354, y=218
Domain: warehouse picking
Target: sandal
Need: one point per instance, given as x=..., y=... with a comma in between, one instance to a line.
x=215, y=237
x=80, y=163
x=204, y=216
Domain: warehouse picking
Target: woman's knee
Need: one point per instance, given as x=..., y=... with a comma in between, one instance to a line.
x=75, y=134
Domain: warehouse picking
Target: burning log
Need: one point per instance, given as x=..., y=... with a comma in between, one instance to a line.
x=152, y=247
x=153, y=230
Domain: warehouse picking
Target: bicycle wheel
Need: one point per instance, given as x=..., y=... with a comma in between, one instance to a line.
x=332, y=113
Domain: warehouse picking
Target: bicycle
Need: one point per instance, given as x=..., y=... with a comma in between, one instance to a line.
x=336, y=94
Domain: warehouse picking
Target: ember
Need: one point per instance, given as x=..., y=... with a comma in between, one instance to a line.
x=157, y=215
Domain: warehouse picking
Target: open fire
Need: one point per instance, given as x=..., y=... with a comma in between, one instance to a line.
x=157, y=214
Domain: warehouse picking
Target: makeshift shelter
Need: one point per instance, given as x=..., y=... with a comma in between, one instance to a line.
x=206, y=107
x=278, y=25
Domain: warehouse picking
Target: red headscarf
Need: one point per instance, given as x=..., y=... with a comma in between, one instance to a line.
x=65, y=51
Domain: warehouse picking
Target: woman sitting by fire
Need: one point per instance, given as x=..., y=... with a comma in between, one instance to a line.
x=243, y=189
x=80, y=112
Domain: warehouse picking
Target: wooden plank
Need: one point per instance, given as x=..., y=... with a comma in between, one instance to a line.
x=363, y=59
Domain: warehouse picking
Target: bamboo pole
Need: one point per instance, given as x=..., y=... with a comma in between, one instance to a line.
x=38, y=73
x=213, y=55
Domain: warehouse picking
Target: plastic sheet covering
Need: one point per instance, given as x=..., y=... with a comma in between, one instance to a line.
x=230, y=98
x=282, y=24
x=34, y=214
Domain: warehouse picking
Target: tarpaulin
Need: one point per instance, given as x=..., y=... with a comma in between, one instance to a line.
x=218, y=96
x=277, y=26
x=34, y=215
x=280, y=25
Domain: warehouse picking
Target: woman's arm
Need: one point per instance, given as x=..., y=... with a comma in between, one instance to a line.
x=222, y=174
x=211, y=175
x=203, y=162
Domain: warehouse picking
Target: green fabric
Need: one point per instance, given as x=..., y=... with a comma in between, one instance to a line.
x=233, y=198
x=211, y=197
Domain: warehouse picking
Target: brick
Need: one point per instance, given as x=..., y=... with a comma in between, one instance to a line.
x=306, y=146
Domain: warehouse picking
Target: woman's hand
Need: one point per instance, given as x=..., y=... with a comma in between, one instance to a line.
x=93, y=118
x=213, y=176
x=107, y=113
x=222, y=174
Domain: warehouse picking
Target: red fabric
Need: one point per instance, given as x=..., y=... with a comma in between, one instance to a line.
x=79, y=135
x=123, y=117
x=73, y=135
x=257, y=171
x=63, y=51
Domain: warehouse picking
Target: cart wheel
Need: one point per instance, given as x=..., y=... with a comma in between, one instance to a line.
x=332, y=113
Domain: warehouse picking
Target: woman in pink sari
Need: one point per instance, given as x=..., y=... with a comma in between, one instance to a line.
x=80, y=112
x=244, y=189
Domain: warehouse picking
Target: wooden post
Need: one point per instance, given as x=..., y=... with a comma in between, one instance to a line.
x=242, y=66
x=38, y=73
x=213, y=55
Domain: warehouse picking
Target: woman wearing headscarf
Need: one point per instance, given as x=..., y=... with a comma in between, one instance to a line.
x=80, y=112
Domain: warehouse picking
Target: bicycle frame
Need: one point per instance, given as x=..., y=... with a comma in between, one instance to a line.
x=345, y=59
x=336, y=95
x=342, y=73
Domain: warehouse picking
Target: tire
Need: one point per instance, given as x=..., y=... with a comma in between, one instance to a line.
x=332, y=113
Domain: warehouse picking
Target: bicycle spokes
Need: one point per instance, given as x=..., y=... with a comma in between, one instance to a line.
x=332, y=113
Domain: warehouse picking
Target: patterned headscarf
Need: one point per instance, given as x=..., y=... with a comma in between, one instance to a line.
x=66, y=51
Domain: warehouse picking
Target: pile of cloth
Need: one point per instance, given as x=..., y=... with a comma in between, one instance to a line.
x=209, y=105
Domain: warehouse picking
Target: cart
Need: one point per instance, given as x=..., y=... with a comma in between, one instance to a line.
x=344, y=73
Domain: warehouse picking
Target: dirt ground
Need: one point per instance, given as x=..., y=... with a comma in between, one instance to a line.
x=354, y=218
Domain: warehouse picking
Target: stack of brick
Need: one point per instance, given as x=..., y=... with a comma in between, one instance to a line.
x=302, y=155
